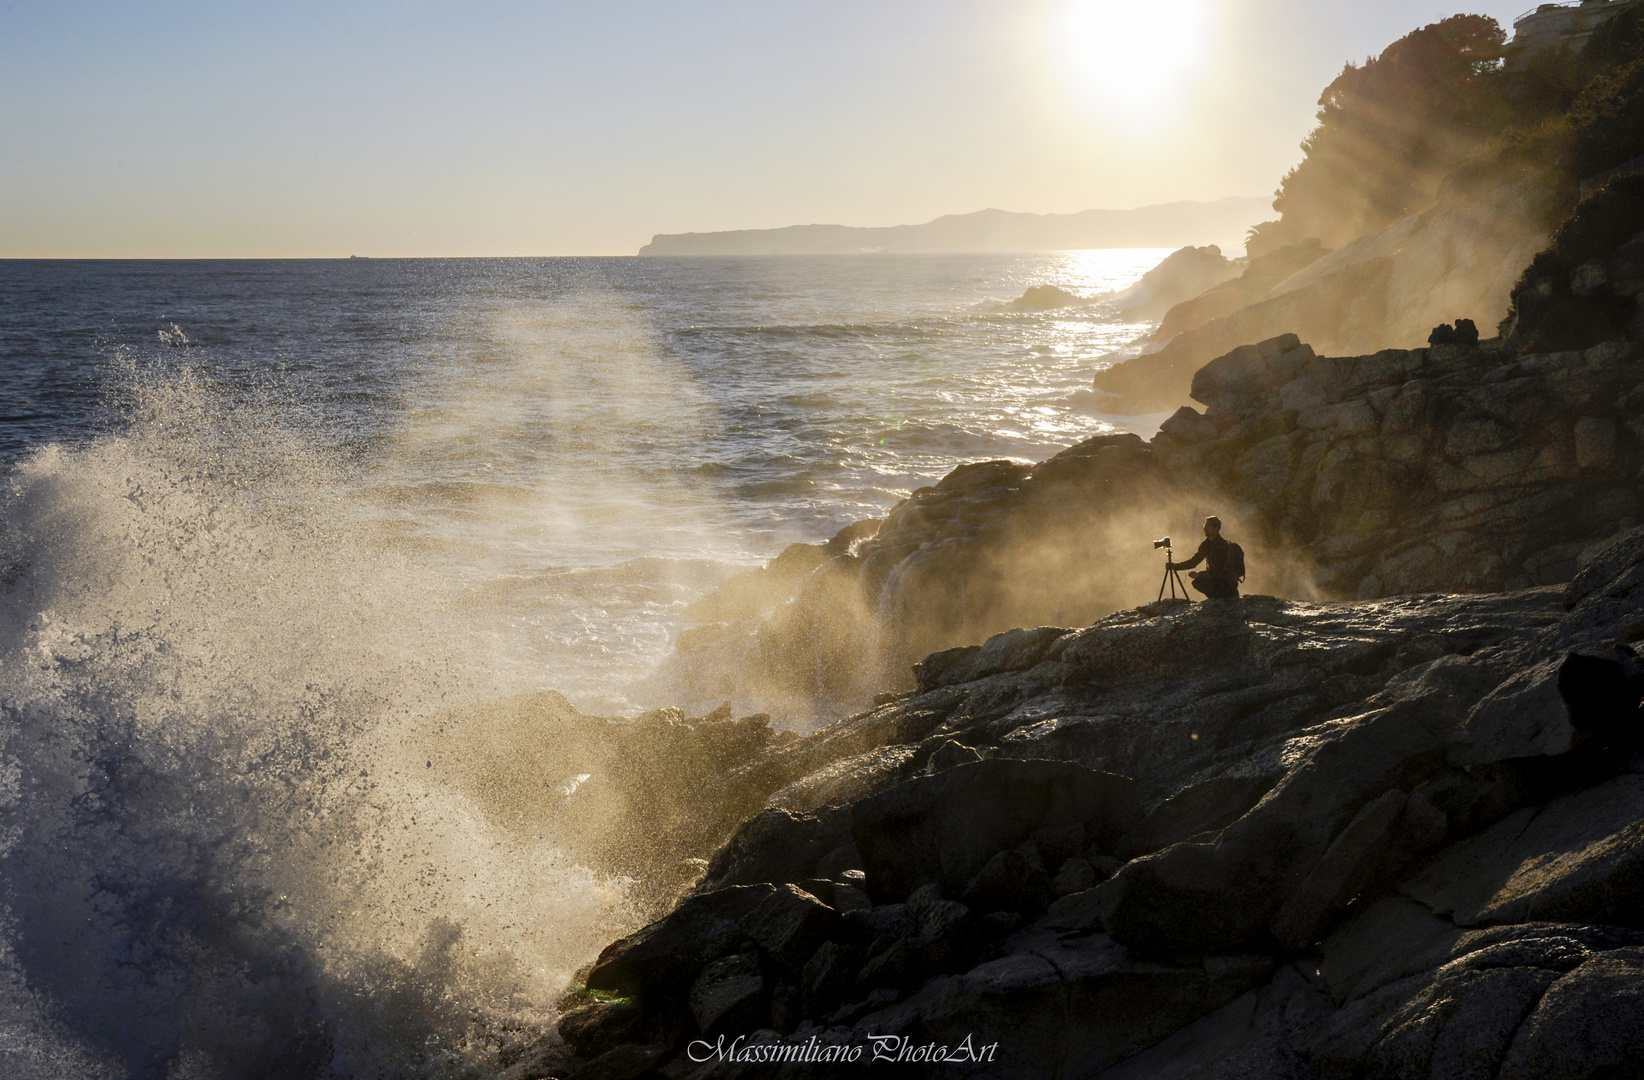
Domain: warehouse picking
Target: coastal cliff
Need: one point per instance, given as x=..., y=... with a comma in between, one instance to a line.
x=1387, y=836
x=1378, y=818
x=1163, y=225
x=1461, y=255
x=1450, y=468
x=1248, y=837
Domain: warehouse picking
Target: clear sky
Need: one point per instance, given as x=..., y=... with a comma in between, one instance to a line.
x=495, y=127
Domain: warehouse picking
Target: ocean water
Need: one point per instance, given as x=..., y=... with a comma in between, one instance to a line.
x=263, y=524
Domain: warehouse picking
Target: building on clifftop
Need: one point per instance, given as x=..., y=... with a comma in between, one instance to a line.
x=1559, y=26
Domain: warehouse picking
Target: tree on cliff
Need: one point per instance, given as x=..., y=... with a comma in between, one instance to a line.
x=1606, y=121
x=1389, y=131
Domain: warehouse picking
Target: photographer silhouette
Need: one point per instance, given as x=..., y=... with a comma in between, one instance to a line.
x=1224, y=564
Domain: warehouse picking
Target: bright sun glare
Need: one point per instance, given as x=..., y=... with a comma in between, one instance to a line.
x=1131, y=60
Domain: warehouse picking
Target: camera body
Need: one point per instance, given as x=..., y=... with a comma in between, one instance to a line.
x=1162, y=543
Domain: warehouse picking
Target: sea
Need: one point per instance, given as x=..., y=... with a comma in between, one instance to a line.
x=263, y=524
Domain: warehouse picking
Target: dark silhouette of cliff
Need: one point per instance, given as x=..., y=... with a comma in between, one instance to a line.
x=1172, y=225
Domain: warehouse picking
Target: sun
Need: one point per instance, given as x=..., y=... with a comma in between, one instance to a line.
x=1131, y=60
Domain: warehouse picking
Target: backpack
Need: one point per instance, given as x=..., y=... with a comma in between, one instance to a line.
x=1235, y=561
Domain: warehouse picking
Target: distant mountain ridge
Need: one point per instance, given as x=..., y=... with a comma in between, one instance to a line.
x=1176, y=224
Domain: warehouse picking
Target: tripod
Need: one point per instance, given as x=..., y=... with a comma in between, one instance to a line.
x=1173, y=578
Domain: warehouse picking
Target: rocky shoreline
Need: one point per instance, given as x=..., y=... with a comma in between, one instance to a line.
x=1379, y=837
x=1381, y=818
x=1450, y=468
x=1254, y=837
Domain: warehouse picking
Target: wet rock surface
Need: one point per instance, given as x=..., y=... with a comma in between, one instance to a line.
x=1276, y=851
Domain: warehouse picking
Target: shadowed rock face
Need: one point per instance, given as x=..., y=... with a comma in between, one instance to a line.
x=1322, y=846
x=1450, y=468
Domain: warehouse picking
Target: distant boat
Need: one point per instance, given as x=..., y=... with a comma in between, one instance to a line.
x=359, y=256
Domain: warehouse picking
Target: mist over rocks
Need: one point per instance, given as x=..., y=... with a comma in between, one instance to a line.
x=1443, y=469
x=1320, y=850
x=1460, y=256
x=1388, y=836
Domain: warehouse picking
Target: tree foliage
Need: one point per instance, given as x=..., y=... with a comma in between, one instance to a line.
x=1389, y=131
x=1438, y=105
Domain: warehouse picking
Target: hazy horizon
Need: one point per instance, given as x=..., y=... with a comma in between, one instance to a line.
x=185, y=130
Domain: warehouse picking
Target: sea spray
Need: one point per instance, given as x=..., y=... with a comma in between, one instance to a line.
x=228, y=848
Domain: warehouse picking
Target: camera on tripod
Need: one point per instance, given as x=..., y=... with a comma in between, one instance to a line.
x=1172, y=577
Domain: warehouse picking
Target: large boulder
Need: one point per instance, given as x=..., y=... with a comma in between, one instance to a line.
x=667, y=955
x=776, y=846
x=1505, y=1002
x=944, y=828
x=1193, y=637
x=1580, y=858
x=1589, y=1024
x=1552, y=708
x=1204, y=897
x=1065, y=1008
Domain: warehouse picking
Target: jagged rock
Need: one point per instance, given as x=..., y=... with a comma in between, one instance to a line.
x=1460, y=1018
x=1253, y=1036
x=846, y=781
x=1203, y=897
x=1182, y=275
x=595, y=1026
x=944, y=828
x=1205, y=807
x=828, y=976
x=1388, y=940
x=1341, y=872
x=952, y=752
x=1551, y=709
x=729, y=996
x=1013, y=880
x=1580, y=858
x=1607, y=566
x=1071, y=1007
x=1043, y=298
x=1261, y=274
x=840, y=864
x=1198, y=636
x=790, y=924
x=847, y=899
x=667, y=955
x=885, y=921
x=907, y=962
x=776, y=846
x=936, y=917
x=1013, y=650
x=1073, y=876
x=624, y=1063
x=1589, y=1024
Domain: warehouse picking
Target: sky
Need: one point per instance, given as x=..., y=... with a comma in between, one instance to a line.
x=495, y=127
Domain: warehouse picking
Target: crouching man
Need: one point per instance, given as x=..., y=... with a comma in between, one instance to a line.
x=1224, y=564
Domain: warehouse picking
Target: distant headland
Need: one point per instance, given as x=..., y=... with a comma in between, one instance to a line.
x=1176, y=224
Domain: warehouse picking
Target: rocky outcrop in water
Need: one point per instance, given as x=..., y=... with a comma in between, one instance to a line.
x=1181, y=275
x=1452, y=468
x=1255, y=837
